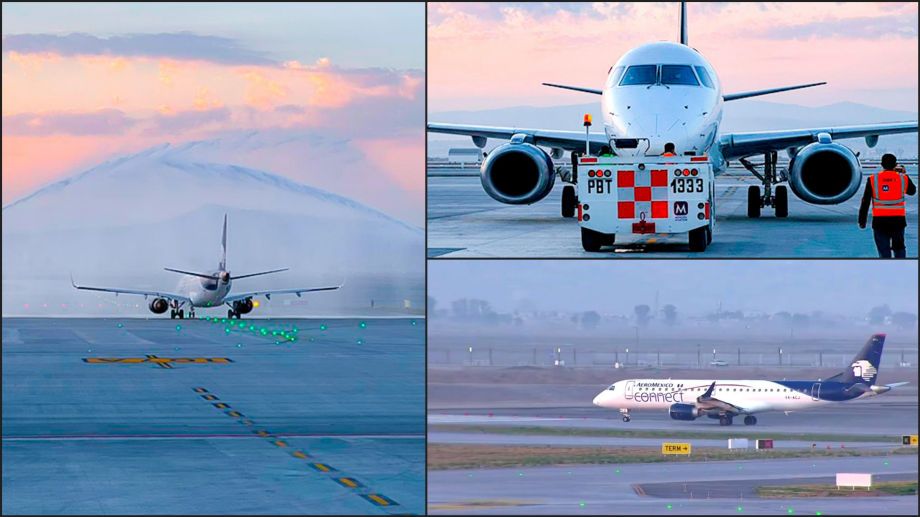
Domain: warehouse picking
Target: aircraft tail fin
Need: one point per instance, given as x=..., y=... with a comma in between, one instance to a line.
x=223, y=247
x=864, y=366
x=684, y=39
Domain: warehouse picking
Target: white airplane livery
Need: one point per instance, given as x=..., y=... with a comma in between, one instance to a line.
x=689, y=399
x=662, y=93
x=207, y=290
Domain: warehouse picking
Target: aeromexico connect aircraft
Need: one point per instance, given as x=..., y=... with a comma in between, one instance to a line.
x=207, y=290
x=668, y=92
x=726, y=399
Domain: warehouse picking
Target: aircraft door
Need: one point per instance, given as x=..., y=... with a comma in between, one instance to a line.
x=630, y=386
x=816, y=391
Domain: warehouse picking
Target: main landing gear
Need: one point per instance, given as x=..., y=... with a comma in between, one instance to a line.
x=725, y=420
x=750, y=420
x=233, y=314
x=779, y=199
x=177, y=313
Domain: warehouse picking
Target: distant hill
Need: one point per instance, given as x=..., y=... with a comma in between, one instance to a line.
x=742, y=115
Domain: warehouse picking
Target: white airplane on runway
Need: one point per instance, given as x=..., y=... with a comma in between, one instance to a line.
x=207, y=290
x=666, y=92
x=725, y=399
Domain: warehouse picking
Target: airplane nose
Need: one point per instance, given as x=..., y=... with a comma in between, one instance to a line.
x=597, y=399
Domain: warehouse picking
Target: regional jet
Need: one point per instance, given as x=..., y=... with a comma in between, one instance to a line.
x=207, y=290
x=725, y=399
x=666, y=92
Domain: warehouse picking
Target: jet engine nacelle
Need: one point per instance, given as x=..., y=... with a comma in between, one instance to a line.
x=824, y=173
x=684, y=412
x=158, y=305
x=243, y=306
x=518, y=174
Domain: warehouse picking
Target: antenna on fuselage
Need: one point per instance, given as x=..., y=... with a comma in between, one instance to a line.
x=683, y=24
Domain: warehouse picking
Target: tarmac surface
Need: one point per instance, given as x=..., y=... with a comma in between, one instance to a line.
x=159, y=416
x=612, y=489
x=463, y=221
x=889, y=418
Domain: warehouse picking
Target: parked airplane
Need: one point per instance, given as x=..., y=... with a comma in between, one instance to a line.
x=207, y=290
x=666, y=92
x=726, y=399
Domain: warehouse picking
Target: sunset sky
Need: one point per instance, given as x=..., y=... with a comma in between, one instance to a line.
x=85, y=82
x=483, y=56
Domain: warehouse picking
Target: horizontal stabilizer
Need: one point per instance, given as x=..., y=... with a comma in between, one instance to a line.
x=757, y=93
x=576, y=88
x=202, y=275
x=237, y=277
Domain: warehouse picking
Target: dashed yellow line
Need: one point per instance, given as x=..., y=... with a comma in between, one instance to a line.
x=280, y=443
x=300, y=454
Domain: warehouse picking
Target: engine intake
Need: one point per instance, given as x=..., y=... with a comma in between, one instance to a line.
x=518, y=174
x=825, y=173
x=243, y=306
x=684, y=412
x=158, y=305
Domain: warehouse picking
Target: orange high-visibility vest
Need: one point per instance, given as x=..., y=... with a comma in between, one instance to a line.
x=888, y=188
x=668, y=154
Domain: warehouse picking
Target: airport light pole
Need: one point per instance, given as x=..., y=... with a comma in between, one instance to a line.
x=699, y=357
x=780, y=356
x=627, y=356
x=471, y=356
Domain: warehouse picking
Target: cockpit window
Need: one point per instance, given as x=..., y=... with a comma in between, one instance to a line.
x=679, y=75
x=639, y=74
x=617, y=74
x=611, y=387
x=704, y=77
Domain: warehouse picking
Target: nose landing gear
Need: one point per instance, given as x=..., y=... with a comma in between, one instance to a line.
x=625, y=413
x=778, y=200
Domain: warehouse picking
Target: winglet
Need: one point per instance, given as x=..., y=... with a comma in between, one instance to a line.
x=72, y=281
x=708, y=393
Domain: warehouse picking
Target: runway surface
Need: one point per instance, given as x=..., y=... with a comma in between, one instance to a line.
x=610, y=489
x=333, y=422
x=463, y=221
x=888, y=417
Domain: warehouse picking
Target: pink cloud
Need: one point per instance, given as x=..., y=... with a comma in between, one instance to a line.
x=484, y=56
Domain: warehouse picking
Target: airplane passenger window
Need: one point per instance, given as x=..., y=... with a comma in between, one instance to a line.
x=640, y=74
x=704, y=77
x=678, y=74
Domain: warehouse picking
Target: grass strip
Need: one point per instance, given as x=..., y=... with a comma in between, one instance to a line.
x=879, y=489
x=464, y=456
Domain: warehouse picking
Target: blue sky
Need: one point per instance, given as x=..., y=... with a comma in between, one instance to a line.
x=696, y=286
x=389, y=36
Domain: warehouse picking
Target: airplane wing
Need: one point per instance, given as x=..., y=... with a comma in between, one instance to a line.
x=568, y=140
x=739, y=145
x=117, y=291
x=708, y=402
x=268, y=294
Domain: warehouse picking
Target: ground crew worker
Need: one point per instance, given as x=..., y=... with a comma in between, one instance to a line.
x=669, y=149
x=886, y=190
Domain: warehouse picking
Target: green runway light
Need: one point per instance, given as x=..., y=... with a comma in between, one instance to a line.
x=670, y=506
x=520, y=474
x=263, y=331
x=120, y=325
x=818, y=513
x=361, y=342
x=790, y=511
x=414, y=323
x=294, y=330
x=740, y=509
x=312, y=340
x=242, y=324
x=239, y=345
x=618, y=471
x=363, y=325
x=178, y=328
x=252, y=328
x=323, y=327
x=227, y=330
x=582, y=504
x=886, y=463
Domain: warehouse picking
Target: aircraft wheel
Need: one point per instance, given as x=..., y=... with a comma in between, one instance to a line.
x=592, y=240
x=725, y=420
x=626, y=419
x=569, y=201
x=781, y=201
x=750, y=420
x=699, y=239
x=753, y=201
x=181, y=314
